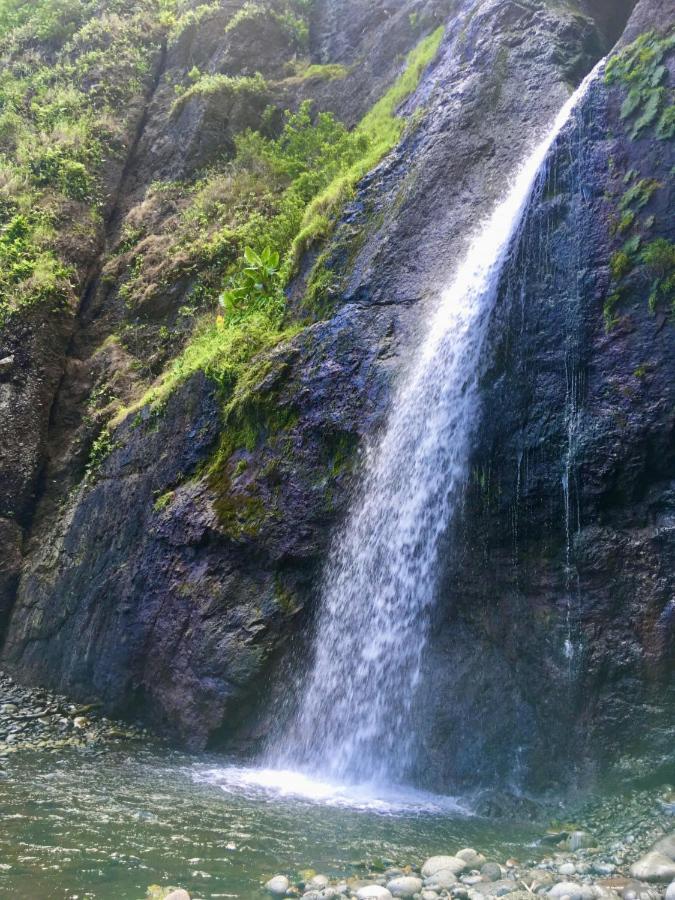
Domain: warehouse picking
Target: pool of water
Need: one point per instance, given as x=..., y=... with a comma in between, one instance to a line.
x=107, y=824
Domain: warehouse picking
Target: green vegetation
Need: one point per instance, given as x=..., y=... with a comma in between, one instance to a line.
x=658, y=257
x=381, y=130
x=229, y=86
x=317, y=72
x=102, y=447
x=655, y=262
x=325, y=71
x=256, y=288
x=251, y=415
x=639, y=194
x=59, y=120
x=70, y=70
x=236, y=233
x=163, y=501
x=178, y=17
x=640, y=68
x=248, y=222
x=292, y=17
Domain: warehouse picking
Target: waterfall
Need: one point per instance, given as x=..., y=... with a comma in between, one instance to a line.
x=354, y=718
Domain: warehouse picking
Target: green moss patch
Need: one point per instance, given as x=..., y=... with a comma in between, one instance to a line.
x=640, y=69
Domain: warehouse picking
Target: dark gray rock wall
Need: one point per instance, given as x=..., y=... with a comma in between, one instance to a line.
x=185, y=593
x=560, y=575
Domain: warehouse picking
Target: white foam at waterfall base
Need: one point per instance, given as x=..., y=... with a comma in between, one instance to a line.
x=356, y=716
x=285, y=784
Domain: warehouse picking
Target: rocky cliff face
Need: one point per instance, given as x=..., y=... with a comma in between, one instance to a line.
x=560, y=574
x=182, y=590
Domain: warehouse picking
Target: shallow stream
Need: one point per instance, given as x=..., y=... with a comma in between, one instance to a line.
x=110, y=823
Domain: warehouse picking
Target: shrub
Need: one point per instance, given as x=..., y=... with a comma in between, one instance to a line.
x=255, y=289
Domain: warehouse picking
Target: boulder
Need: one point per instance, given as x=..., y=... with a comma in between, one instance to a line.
x=666, y=845
x=443, y=863
x=491, y=871
x=277, y=886
x=654, y=866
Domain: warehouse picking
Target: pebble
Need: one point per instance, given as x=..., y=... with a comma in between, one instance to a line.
x=443, y=880
x=180, y=894
x=373, y=892
x=567, y=869
x=635, y=890
x=603, y=868
x=473, y=859
x=573, y=890
x=496, y=888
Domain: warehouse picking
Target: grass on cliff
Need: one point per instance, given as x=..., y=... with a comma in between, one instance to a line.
x=381, y=129
x=278, y=196
x=67, y=68
x=71, y=75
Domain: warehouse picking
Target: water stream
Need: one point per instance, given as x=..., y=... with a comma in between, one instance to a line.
x=107, y=824
x=355, y=715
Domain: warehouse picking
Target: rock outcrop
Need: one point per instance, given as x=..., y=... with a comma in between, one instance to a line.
x=184, y=594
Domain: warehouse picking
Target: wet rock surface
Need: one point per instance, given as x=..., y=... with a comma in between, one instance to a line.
x=556, y=571
x=184, y=598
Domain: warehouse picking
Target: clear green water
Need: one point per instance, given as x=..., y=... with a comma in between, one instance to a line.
x=107, y=824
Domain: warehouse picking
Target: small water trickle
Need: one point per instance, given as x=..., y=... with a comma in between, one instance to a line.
x=354, y=721
x=574, y=389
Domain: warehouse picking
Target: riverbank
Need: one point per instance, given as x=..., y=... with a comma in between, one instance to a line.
x=574, y=869
x=35, y=719
x=95, y=809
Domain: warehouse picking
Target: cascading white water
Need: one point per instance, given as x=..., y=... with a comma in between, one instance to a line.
x=354, y=717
